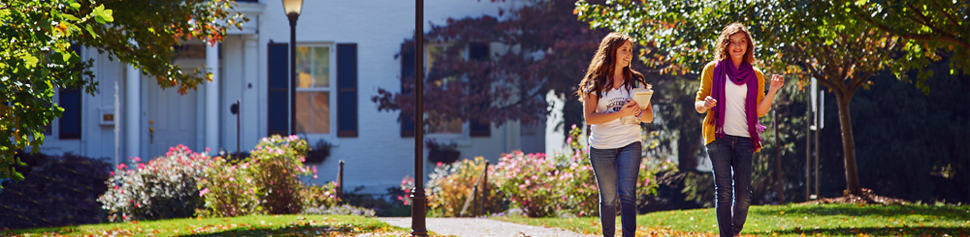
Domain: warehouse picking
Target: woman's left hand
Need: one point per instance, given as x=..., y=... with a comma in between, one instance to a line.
x=647, y=114
x=777, y=81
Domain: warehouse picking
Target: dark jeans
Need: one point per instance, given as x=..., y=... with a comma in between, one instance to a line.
x=616, y=172
x=731, y=157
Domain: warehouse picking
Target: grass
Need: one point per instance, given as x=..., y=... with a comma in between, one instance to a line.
x=792, y=219
x=288, y=225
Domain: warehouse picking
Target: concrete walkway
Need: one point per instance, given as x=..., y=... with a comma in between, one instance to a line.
x=478, y=227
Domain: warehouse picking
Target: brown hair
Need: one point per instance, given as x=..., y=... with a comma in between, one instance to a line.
x=724, y=40
x=601, y=67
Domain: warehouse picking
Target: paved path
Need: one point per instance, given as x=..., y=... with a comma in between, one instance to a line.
x=478, y=227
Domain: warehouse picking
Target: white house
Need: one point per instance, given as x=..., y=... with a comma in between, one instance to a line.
x=345, y=53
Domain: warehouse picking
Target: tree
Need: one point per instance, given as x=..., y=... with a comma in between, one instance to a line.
x=547, y=49
x=822, y=40
x=934, y=26
x=37, y=55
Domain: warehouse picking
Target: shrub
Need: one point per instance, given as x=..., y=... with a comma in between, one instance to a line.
x=407, y=184
x=266, y=182
x=529, y=182
x=564, y=185
x=56, y=191
x=578, y=194
x=382, y=204
x=167, y=187
x=320, y=196
x=450, y=186
x=275, y=166
x=227, y=191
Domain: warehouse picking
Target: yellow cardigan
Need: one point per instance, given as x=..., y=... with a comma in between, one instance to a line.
x=707, y=78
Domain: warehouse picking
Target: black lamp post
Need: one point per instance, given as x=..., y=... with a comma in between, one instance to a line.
x=292, y=9
x=418, y=200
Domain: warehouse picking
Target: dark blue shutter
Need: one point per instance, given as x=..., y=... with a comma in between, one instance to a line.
x=479, y=127
x=70, y=100
x=407, y=76
x=277, y=118
x=70, y=126
x=347, y=90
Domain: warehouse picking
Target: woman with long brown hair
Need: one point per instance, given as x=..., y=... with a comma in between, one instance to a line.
x=733, y=91
x=614, y=141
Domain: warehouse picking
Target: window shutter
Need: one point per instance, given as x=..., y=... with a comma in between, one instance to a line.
x=347, y=90
x=407, y=75
x=277, y=115
x=70, y=126
x=479, y=127
x=70, y=100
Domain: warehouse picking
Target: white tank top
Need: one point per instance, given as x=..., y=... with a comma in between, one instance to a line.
x=613, y=134
x=735, y=121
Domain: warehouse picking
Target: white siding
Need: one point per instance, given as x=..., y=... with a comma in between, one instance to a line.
x=379, y=157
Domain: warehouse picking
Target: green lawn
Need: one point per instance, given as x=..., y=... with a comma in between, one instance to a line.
x=793, y=219
x=288, y=225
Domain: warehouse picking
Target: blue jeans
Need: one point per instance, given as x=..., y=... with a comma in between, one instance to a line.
x=616, y=172
x=731, y=157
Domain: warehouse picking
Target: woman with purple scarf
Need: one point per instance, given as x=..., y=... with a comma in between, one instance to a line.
x=732, y=90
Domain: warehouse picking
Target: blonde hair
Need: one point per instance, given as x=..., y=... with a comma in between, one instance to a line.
x=602, y=66
x=724, y=40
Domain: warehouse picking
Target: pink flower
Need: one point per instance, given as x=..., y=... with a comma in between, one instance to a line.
x=141, y=165
x=203, y=192
x=122, y=166
x=136, y=159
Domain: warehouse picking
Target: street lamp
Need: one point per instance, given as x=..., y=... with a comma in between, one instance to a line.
x=292, y=9
x=419, y=202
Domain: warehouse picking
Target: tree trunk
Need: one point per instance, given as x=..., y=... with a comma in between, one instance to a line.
x=689, y=142
x=778, y=171
x=848, y=143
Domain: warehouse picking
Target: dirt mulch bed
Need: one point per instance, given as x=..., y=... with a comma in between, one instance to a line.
x=867, y=197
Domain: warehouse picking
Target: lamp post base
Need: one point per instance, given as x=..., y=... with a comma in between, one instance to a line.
x=419, y=205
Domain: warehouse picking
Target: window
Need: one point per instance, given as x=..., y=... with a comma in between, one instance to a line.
x=451, y=129
x=313, y=89
x=432, y=53
x=477, y=127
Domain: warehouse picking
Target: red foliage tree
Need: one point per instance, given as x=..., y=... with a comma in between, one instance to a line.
x=548, y=49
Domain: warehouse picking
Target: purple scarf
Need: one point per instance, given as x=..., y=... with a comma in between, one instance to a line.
x=739, y=76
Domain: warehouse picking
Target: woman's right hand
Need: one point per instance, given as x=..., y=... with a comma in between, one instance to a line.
x=709, y=103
